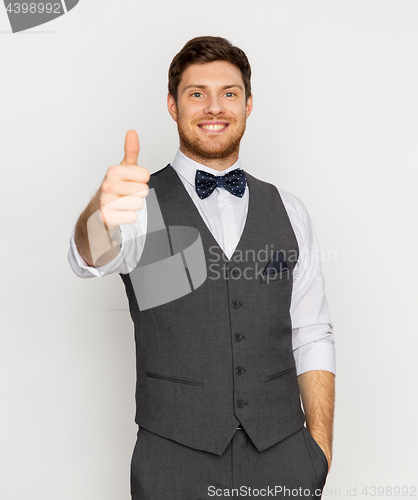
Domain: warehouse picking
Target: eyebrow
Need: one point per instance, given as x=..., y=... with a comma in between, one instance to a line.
x=205, y=87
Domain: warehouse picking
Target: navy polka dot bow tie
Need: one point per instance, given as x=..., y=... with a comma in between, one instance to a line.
x=233, y=181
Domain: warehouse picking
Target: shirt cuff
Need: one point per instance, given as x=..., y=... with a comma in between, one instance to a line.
x=83, y=270
x=317, y=355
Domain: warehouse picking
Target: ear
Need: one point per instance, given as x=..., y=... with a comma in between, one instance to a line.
x=249, y=106
x=172, y=107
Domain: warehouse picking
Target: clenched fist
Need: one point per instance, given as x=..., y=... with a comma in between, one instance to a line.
x=124, y=187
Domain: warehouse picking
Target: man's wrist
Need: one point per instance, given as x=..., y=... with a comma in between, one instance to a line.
x=325, y=447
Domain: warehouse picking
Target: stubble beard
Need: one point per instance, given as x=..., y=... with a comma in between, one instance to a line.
x=210, y=149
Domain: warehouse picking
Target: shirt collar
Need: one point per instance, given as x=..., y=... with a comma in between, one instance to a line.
x=186, y=167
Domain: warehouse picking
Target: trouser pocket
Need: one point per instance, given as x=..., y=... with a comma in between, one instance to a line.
x=319, y=460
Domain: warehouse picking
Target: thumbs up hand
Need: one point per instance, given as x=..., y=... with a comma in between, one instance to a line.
x=124, y=187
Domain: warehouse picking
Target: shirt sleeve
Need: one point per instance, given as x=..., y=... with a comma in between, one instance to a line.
x=312, y=330
x=133, y=240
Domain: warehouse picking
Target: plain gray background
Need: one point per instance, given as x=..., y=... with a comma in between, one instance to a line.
x=334, y=122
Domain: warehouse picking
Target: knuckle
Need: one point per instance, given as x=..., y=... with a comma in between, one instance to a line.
x=106, y=186
x=146, y=174
x=113, y=170
x=104, y=200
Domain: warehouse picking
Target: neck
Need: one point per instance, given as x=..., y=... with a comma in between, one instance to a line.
x=219, y=164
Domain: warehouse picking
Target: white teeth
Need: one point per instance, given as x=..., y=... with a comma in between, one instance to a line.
x=213, y=127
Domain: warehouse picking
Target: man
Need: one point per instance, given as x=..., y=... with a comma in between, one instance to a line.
x=220, y=368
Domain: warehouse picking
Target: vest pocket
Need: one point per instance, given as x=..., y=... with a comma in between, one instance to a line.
x=271, y=278
x=173, y=379
x=281, y=374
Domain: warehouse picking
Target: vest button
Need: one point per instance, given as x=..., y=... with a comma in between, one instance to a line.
x=236, y=304
x=238, y=337
x=234, y=272
x=240, y=370
x=241, y=403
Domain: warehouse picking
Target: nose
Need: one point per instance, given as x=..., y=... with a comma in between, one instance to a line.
x=214, y=106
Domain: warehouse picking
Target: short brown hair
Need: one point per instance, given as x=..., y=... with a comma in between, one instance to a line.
x=204, y=49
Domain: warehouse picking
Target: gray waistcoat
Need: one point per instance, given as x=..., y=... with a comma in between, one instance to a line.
x=222, y=354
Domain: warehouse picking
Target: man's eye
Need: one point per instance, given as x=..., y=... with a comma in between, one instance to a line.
x=230, y=94
x=196, y=94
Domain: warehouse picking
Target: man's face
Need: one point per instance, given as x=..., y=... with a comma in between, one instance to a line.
x=211, y=110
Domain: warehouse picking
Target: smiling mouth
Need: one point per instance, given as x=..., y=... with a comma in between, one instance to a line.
x=213, y=127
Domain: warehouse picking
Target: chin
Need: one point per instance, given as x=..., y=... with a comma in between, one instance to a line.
x=215, y=150
x=218, y=154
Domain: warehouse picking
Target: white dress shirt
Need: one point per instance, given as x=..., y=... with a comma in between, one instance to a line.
x=225, y=216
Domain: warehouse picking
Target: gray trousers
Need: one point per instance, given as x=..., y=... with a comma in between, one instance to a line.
x=162, y=469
